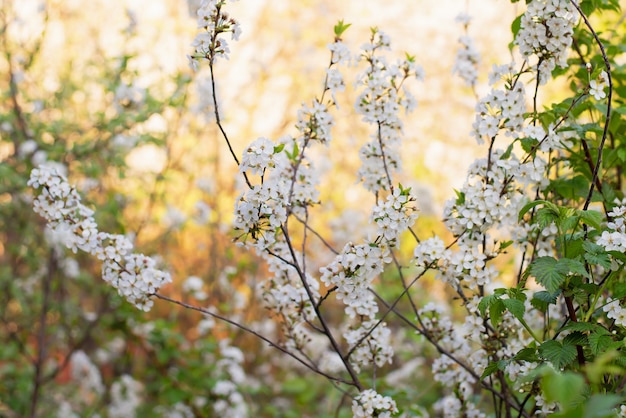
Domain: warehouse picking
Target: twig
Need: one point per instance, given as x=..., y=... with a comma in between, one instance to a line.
x=251, y=331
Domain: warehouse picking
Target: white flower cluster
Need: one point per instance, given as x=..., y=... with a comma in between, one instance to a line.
x=380, y=103
x=546, y=31
x=194, y=285
x=86, y=374
x=135, y=276
x=370, y=404
x=467, y=56
x=125, y=397
x=614, y=310
x=290, y=185
x=596, y=87
x=315, y=122
x=209, y=44
x=430, y=251
x=395, y=215
x=460, y=342
x=350, y=275
x=230, y=402
x=285, y=293
x=340, y=53
x=615, y=238
x=466, y=61
x=488, y=197
x=500, y=110
x=451, y=406
x=371, y=344
x=259, y=156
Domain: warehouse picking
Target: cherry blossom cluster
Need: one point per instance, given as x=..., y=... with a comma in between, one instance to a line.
x=289, y=184
x=382, y=98
x=125, y=397
x=467, y=56
x=614, y=239
x=488, y=198
x=546, y=32
x=285, y=293
x=230, y=402
x=314, y=122
x=597, y=86
x=259, y=156
x=395, y=215
x=350, y=276
x=500, y=110
x=369, y=403
x=135, y=276
x=459, y=343
x=214, y=23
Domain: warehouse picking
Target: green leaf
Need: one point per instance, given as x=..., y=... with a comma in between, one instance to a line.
x=601, y=406
x=549, y=273
x=573, y=188
x=592, y=218
x=575, y=338
x=574, y=266
x=558, y=354
x=619, y=291
x=340, y=28
x=279, y=148
x=528, y=206
x=504, y=245
x=496, y=309
x=485, y=303
x=460, y=197
x=596, y=255
x=516, y=307
x=527, y=354
x=599, y=341
x=542, y=299
x=566, y=388
x=516, y=25
x=546, y=217
x=491, y=368
x=580, y=326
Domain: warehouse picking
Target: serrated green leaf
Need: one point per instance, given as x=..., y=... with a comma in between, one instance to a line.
x=580, y=326
x=558, y=354
x=592, y=218
x=494, y=366
x=596, y=255
x=542, y=299
x=575, y=338
x=527, y=354
x=573, y=266
x=516, y=307
x=279, y=148
x=546, y=217
x=549, y=273
x=599, y=342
